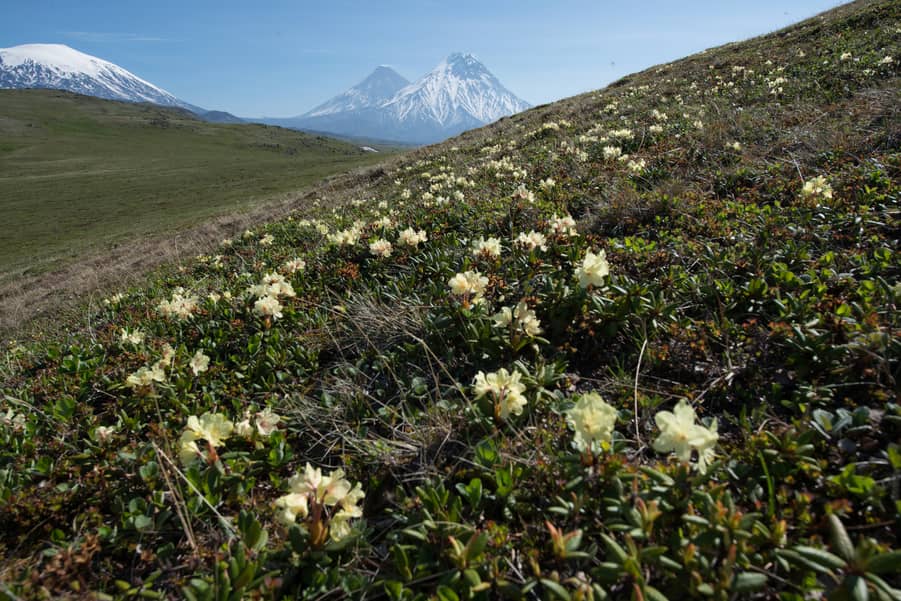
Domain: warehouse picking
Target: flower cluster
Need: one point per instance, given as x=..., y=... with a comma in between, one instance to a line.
x=144, y=378
x=520, y=319
x=214, y=428
x=411, y=237
x=325, y=504
x=593, y=270
x=563, y=226
x=680, y=434
x=380, y=248
x=490, y=247
x=504, y=388
x=470, y=285
x=817, y=187
x=531, y=240
x=593, y=419
x=180, y=307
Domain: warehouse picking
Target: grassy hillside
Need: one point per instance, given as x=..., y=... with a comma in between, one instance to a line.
x=642, y=343
x=78, y=174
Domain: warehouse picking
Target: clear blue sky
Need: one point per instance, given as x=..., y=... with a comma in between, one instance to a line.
x=280, y=58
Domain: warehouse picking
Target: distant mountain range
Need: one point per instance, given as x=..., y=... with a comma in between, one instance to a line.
x=60, y=67
x=459, y=94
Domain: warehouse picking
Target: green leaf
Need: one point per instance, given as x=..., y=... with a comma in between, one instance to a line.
x=142, y=522
x=840, y=539
x=394, y=590
x=445, y=593
x=821, y=557
x=858, y=588
x=885, y=563
x=748, y=582
x=653, y=594
x=883, y=588
x=556, y=589
x=614, y=549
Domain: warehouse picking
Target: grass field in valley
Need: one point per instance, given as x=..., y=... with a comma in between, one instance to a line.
x=642, y=343
x=81, y=174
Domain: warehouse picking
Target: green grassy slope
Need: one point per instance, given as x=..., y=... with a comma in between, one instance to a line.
x=79, y=174
x=710, y=411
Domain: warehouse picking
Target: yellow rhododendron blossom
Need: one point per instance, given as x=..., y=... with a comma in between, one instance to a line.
x=817, y=186
x=469, y=284
x=268, y=306
x=214, y=428
x=521, y=317
x=532, y=240
x=267, y=421
x=505, y=388
x=127, y=336
x=380, y=248
x=294, y=265
x=593, y=270
x=321, y=502
x=199, y=362
x=411, y=237
x=681, y=435
x=593, y=419
x=180, y=306
x=490, y=247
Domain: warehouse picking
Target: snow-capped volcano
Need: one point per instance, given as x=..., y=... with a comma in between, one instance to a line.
x=459, y=94
x=60, y=67
x=378, y=88
x=459, y=91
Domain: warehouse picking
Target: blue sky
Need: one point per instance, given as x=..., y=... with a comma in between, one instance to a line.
x=280, y=58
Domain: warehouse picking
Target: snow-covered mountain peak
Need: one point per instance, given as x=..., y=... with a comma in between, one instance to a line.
x=460, y=93
x=59, y=57
x=379, y=86
x=460, y=90
x=58, y=66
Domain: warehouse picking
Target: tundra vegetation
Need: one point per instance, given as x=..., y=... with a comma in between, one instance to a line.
x=641, y=343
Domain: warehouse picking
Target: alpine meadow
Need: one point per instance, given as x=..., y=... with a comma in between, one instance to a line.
x=641, y=343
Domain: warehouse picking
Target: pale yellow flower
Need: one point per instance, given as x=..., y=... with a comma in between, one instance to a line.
x=521, y=317
x=593, y=419
x=268, y=306
x=134, y=337
x=411, y=237
x=612, y=152
x=679, y=434
x=505, y=388
x=243, y=428
x=469, y=283
x=380, y=248
x=294, y=265
x=329, y=496
x=817, y=186
x=180, y=306
x=490, y=247
x=145, y=377
x=199, y=362
x=593, y=270
x=532, y=240
x=214, y=428
x=188, y=450
x=267, y=421
x=563, y=226
x=104, y=433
